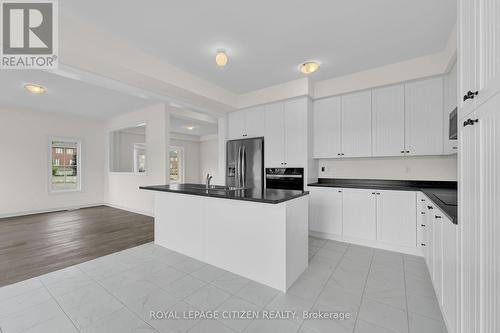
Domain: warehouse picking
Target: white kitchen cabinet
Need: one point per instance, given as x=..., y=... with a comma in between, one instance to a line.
x=327, y=128
x=295, y=120
x=326, y=210
x=479, y=54
x=424, y=117
x=248, y=123
x=236, y=125
x=274, y=139
x=429, y=227
x=357, y=124
x=396, y=218
x=438, y=254
x=451, y=273
x=450, y=103
x=359, y=213
x=388, y=112
x=286, y=138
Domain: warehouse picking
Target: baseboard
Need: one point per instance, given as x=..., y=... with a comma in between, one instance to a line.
x=132, y=210
x=369, y=243
x=51, y=210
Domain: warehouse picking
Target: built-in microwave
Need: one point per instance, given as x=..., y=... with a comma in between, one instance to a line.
x=453, y=135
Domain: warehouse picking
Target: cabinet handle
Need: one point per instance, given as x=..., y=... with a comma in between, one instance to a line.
x=470, y=122
x=402, y=151
x=342, y=154
x=454, y=147
x=439, y=217
x=423, y=200
x=407, y=151
x=422, y=244
x=430, y=207
x=339, y=154
x=422, y=225
x=340, y=191
x=374, y=193
x=470, y=95
x=378, y=193
x=423, y=213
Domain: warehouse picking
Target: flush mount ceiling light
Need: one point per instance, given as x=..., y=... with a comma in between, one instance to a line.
x=34, y=88
x=221, y=58
x=309, y=67
x=190, y=128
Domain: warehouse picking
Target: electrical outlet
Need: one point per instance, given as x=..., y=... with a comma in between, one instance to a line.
x=323, y=169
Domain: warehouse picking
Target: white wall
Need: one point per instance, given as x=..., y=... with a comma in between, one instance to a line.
x=24, y=151
x=191, y=157
x=209, y=159
x=403, y=168
x=122, y=189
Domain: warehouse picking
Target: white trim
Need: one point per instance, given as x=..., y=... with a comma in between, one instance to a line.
x=79, y=168
x=51, y=210
x=370, y=243
x=209, y=137
x=137, y=211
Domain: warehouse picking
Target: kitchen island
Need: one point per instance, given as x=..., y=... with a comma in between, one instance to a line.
x=259, y=234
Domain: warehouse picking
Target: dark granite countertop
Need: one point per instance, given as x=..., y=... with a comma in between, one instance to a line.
x=270, y=196
x=442, y=193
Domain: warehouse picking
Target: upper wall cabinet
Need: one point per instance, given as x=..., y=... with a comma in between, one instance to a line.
x=388, y=112
x=248, y=123
x=357, y=124
x=286, y=134
x=479, y=60
x=327, y=128
x=424, y=117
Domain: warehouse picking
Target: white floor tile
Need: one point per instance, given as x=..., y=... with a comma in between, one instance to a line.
x=257, y=293
x=21, y=302
x=207, y=298
x=236, y=304
x=230, y=282
x=210, y=326
x=121, y=321
x=272, y=326
x=184, y=286
x=420, y=324
x=19, y=288
x=384, y=316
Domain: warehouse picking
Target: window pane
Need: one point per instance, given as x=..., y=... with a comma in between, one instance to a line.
x=175, y=165
x=64, y=165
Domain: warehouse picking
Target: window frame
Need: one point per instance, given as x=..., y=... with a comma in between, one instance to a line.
x=180, y=149
x=79, y=154
x=109, y=150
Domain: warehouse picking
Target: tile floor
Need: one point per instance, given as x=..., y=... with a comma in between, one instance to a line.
x=383, y=291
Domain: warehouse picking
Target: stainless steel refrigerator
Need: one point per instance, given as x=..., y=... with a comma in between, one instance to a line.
x=245, y=163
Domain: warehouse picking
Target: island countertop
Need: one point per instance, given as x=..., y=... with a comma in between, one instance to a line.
x=269, y=196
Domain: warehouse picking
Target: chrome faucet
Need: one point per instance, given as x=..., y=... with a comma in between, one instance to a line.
x=207, y=181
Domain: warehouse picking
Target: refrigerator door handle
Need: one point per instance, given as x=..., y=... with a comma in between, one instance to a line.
x=243, y=167
x=238, y=167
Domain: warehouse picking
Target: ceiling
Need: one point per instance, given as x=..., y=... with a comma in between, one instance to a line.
x=200, y=128
x=65, y=95
x=267, y=40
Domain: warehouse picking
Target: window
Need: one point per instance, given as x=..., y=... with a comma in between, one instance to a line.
x=139, y=157
x=176, y=157
x=65, y=167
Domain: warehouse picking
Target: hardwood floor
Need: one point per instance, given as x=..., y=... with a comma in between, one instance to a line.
x=33, y=245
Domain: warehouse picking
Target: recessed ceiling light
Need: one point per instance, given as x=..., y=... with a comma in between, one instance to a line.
x=190, y=128
x=34, y=88
x=309, y=67
x=221, y=59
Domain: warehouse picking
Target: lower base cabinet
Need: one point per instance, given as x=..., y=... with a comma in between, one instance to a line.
x=326, y=210
x=359, y=214
x=396, y=217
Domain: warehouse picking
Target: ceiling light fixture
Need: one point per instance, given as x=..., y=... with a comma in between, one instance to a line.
x=309, y=67
x=190, y=128
x=221, y=58
x=34, y=88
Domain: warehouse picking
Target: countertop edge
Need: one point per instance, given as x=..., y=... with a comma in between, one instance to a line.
x=265, y=201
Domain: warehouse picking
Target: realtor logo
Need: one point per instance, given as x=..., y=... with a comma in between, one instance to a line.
x=29, y=34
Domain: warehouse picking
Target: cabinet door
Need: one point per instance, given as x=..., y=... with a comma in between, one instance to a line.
x=489, y=55
x=424, y=117
x=295, y=114
x=326, y=210
x=397, y=218
x=450, y=274
x=254, y=122
x=388, y=110
x=468, y=46
x=430, y=238
x=327, y=128
x=469, y=208
x=236, y=125
x=357, y=124
x=274, y=141
x=438, y=255
x=359, y=211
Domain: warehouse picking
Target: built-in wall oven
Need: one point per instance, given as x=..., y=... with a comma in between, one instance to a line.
x=285, y=178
